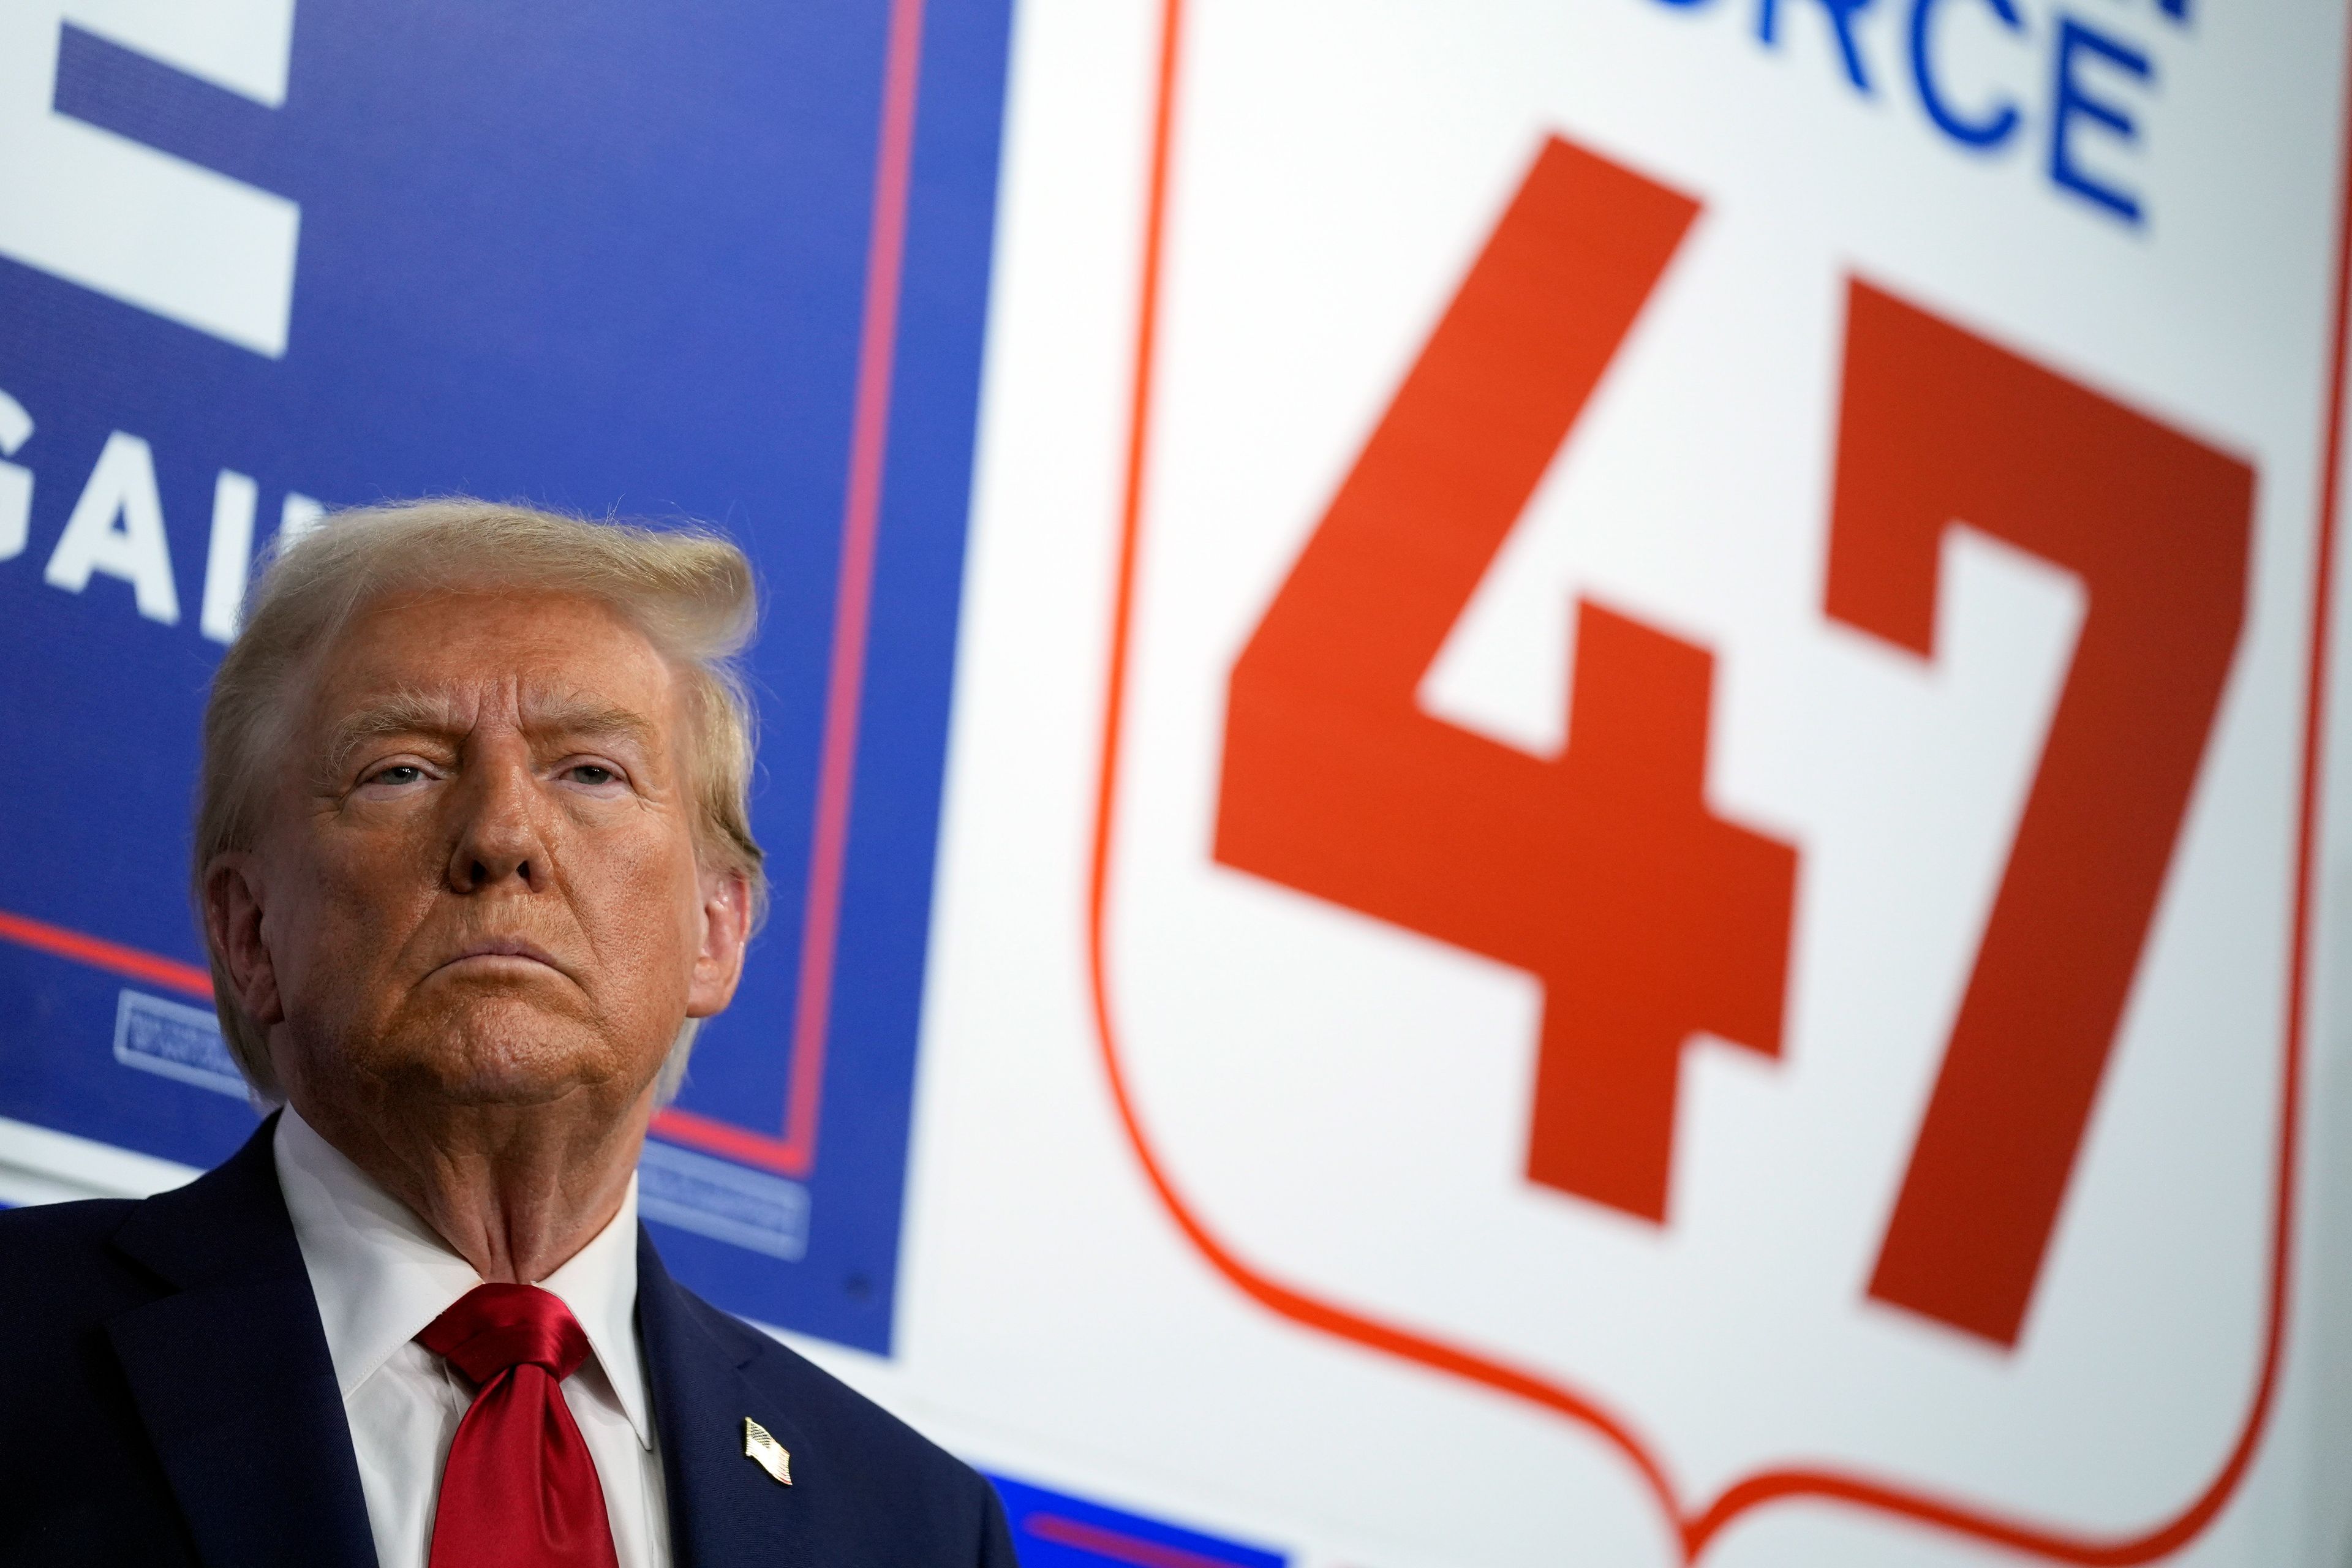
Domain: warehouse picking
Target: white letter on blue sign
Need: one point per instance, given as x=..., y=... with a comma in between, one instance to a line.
x=133, y=223
x=229, y=559
x=117, y=528
x=15, y=482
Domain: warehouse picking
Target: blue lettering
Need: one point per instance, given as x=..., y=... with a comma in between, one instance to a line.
x=1841, y=14
x=2070, y=103
x=1982, y=135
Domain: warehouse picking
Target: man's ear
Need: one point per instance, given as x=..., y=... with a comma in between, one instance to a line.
x=726, y=918
x=233, y=899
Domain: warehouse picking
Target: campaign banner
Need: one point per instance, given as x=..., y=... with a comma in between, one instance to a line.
x=1698, y=929
x=261, y=259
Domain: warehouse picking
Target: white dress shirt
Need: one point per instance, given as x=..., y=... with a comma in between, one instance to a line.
x=381, y=1275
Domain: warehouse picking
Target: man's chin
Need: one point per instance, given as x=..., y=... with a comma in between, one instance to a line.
x=502, y=1052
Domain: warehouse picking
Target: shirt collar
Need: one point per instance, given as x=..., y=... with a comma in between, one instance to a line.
x=381, y=1274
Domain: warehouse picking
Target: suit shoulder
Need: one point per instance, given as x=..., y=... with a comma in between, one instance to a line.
x=58, y=1267
x=39, y=1241
x=60, y=1281
x=847, y=1423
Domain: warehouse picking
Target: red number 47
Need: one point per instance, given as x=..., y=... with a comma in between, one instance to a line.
x=1603, y=871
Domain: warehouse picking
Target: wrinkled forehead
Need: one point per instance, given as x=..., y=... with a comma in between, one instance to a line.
x=455, y=662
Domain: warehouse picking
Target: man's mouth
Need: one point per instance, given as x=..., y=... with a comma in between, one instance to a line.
x=499, y=950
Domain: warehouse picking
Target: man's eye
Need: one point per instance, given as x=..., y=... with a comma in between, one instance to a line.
x=398, y=773
x=594, y=773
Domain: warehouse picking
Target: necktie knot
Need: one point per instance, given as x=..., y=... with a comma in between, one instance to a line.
x=492, y=1328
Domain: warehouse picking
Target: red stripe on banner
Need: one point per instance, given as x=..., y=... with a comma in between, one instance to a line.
x=795, y=1152
x=1114, y=1544
x=1698, y=1525
x=132, y=962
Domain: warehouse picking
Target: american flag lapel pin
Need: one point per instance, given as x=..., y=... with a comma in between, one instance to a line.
x=767, y=1453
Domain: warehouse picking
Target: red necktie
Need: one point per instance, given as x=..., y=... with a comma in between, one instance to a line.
x=519, y=1489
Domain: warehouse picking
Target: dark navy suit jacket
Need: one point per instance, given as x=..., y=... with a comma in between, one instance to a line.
x=166, y=1398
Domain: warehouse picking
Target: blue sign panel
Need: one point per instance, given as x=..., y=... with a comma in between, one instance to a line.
x=722, y=262
x=1054, y=1530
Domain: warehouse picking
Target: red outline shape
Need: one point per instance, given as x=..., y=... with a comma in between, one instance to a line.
x=1696, y=1528
x=794, y=1153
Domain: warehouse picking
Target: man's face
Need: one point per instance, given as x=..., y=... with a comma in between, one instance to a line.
x=480, y=883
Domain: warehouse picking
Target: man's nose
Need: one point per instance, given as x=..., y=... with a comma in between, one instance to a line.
x=498, y=834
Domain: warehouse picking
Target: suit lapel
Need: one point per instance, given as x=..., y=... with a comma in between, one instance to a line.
x=232, y=1377
x=724, y=1509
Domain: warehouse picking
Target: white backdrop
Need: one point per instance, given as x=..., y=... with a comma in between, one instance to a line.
x=1341, y=1104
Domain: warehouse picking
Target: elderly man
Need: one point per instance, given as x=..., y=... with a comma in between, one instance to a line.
x=473, y=857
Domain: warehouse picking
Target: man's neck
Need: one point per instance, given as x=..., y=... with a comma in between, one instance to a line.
x=514, y=1190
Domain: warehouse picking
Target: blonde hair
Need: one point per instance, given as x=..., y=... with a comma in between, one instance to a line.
x=689, y=592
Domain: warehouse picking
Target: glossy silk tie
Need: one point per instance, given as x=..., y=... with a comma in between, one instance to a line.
x=519, y=1489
